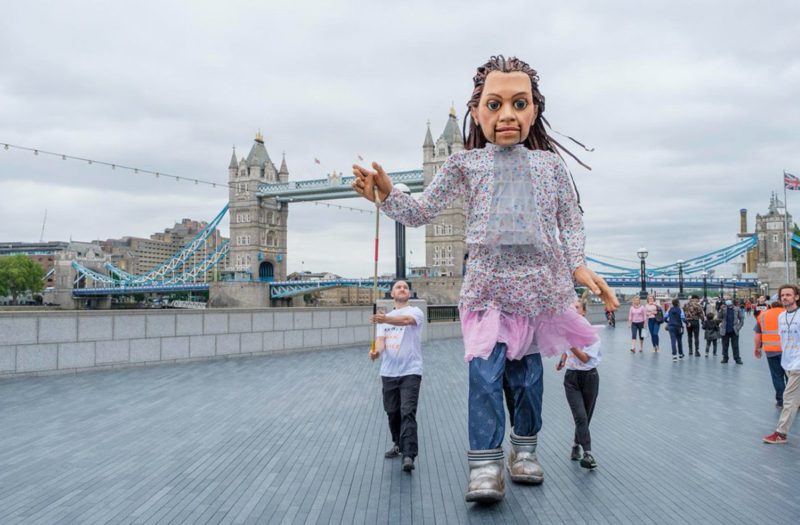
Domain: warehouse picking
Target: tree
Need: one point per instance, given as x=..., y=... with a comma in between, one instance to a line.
x=19, y=274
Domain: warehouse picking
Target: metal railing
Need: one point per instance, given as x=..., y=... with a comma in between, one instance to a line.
x=442, y=313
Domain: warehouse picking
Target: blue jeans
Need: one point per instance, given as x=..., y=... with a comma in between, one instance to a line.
x=778, y=375
x=487, y=415
x=676, y=339
x=653, y=326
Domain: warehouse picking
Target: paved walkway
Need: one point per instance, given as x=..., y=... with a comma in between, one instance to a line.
x=300, y=439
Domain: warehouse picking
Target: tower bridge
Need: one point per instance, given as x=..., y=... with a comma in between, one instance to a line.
x=256, y=256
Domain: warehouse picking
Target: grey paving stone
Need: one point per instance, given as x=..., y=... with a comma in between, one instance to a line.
x=58, y=329
x=76, y=355
x=129, y=326
x=18, y=330
x=189, y=324
x=347, y=335
x=262, y=321
x=338, y=318
x=175, y=347
x=202, y=345
x=8, y=358
x=107, y=352
x=303, y=320
x=215, y=323
x=312, y=338
x=292, y=339
x=95, y=328
x=240, y=322
x=228, y=344
x=284, y=321
x=330, y=337
x=34, y=358
x=253, y=342
x=362, y=333
x=145, y=350
x=161, y=325
x=354, y=318
x=273, y=341
x=321, y=319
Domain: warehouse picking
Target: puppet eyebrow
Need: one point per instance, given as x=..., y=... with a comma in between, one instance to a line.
x=500, y=96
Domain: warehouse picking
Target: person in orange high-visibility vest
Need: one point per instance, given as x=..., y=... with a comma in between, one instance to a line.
x=768, y=340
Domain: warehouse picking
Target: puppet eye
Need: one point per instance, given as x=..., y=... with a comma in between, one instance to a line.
x=493, y=105
x=520, y=104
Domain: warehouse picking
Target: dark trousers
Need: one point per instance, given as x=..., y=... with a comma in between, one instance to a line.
x=778, y=375
x=709, y=343
x=693, y=333
x=400, y=397
x=581, y=387
x=487, y=415
x=732, y=339
x=676, y=339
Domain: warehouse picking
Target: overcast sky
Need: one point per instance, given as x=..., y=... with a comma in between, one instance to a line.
x=693, y=108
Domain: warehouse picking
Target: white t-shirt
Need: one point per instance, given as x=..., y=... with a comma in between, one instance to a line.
x=789, y=330
x=402, y=354
x=595, y=356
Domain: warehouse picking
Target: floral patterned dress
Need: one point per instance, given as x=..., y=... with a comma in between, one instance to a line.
x=523, y=299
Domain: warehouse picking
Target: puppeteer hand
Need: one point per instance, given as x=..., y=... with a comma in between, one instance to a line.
x=366, y=180
x=597, y=285
x=374, y=355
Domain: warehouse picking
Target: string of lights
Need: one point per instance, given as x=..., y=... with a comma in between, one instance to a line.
x=116, y=166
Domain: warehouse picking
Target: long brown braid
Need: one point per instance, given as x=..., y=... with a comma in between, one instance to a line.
x=537, y=137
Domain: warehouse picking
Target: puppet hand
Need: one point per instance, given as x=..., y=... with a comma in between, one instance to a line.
x=597, y=285
x=367, y=180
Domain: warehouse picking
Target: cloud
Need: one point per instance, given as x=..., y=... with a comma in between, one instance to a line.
x=692, y=109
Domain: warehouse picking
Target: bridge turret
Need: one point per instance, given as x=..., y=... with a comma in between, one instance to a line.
x=428, y=146
x=283, y=173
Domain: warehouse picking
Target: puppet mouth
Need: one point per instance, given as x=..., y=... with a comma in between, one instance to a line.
x=508, y=130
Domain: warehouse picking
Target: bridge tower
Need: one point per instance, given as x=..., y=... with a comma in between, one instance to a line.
x=771, y=248
x=258, y=226
x=445, y=243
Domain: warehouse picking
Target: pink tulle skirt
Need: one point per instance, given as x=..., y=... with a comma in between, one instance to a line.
x=548, y=334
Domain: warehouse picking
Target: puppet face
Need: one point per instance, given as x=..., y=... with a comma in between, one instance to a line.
x=506, y=110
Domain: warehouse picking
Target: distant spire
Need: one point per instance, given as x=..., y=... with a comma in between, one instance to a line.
x=234, y=163
x=259, y=136
x=428, y=138
x=284, y=169
x=452, y=109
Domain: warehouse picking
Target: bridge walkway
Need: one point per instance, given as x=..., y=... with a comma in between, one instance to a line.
x=300, y=439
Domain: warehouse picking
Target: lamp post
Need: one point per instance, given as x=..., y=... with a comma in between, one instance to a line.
x=642, y=253
x=400, y=241
x=681, y=295
x=721, y=287
x=705, y=283
x=734, y=287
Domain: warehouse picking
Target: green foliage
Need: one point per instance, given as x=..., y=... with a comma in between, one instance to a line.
x=19, y=274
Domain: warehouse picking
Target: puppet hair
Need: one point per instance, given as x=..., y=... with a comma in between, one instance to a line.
x=537, y=137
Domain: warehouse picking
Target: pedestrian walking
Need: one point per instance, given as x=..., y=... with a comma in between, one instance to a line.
x=711, y=332
x=655, y=316
x=398, y=340
x=581, y=386
x=694, y=316
x=675, y=320
x=789, y=334
x=637, y=316
x=768, y=341
x=731, y=321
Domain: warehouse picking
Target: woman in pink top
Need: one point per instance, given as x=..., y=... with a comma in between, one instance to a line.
x=653, y=320
x=637, y=316
x=525, y=236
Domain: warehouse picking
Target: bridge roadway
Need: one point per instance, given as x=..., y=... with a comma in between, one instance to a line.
x=300, y=439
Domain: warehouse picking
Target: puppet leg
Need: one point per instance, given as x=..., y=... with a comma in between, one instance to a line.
x=525, y=380
x=486, y=427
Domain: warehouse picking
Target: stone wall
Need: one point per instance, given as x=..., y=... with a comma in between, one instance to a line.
x=37, y=343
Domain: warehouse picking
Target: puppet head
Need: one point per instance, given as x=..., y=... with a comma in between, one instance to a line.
x=536, y=137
